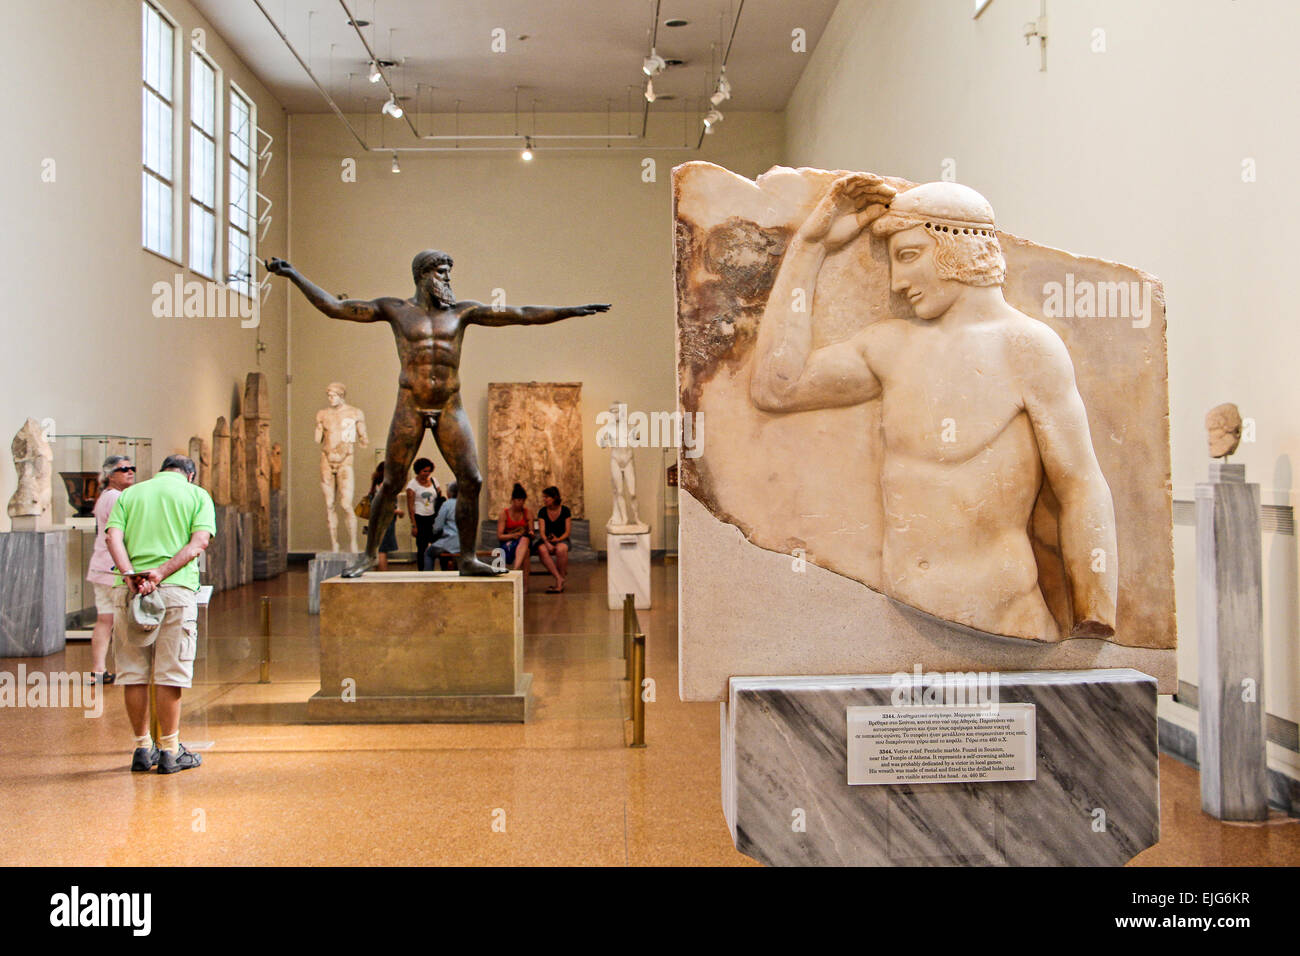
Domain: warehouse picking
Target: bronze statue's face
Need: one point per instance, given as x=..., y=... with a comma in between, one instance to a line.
x=914, y=274
x=437, y=283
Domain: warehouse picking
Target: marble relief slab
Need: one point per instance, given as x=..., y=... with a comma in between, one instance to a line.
x=534, y=438
x=809, y=481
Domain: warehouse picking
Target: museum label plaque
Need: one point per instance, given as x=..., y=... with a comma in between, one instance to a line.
x=962, y=744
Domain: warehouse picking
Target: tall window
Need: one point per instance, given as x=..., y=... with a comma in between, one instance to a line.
x=159, y=132
x=242, y=241
x=204, y=85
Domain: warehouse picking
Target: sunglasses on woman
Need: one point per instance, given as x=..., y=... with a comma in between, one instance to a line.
x=130, y=468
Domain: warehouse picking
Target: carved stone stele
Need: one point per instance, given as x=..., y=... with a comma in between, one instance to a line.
x=198, y=453
x=277, y=466
x=257, y=457
x=34, y=463
x=221, y=462
x=238, y=464
x=535, y=438
x=969, y=427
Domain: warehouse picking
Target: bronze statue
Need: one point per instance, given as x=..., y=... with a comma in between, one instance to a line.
x=429, y=328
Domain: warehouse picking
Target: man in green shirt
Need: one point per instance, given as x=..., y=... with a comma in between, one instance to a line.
x=155, y=531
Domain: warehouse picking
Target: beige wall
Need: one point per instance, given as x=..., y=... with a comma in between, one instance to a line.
x=566, y=229
x=1134, y=154
x=83, y=346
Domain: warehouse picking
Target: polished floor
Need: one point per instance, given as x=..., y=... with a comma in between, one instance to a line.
x=563, y=789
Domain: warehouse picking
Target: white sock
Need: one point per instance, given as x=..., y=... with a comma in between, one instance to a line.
x=146, y=742
x=171, y=743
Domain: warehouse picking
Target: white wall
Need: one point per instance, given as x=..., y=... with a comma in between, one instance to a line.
x=83, y=345
x=1134, y=154
x=565, y=229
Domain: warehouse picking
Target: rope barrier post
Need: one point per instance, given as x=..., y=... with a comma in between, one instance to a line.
x=638, y=702
x=265, y=676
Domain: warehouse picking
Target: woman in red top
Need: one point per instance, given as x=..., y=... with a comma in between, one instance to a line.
x=513, y=531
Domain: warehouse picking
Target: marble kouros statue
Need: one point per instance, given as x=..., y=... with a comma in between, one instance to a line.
x=978, y=404
x=1223, y=425
x=34, y=463
x=622, y=472
x=429, y=328
x=339, y=429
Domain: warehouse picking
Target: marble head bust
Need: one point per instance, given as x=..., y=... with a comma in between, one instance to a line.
x=1223, y=427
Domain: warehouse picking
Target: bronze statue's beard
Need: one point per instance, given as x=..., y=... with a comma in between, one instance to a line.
x=441, y=291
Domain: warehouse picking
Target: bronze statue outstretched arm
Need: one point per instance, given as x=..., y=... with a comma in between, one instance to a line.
x=496, y=315
x=353, y=310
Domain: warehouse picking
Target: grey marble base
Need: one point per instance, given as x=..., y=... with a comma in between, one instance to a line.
x=1230, y=639
x=221, y=559
x=325, y=565
x=33, y=592
x=784, y=742
x=580, y=550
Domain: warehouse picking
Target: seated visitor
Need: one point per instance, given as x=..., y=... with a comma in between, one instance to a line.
x=389, y=544
x=513, y=526
x=553, y=542
x=446, y=538
x=422, y=501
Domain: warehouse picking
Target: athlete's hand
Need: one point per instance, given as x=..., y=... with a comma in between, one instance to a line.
x=591, y=309
x=852, y=202
x=278, y=267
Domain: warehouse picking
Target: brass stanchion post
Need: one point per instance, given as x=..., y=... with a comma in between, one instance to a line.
x=629, y=628
x=638, y=679
x=265, y=676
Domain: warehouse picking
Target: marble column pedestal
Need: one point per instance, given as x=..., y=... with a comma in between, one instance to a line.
x=33, y=592
x=1094, y=800
x=627, y=568
x=1230, y=639
x=422, y=647
x=326, y=565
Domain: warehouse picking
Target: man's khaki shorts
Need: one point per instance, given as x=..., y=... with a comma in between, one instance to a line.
x=104, y=598
x=172, y=652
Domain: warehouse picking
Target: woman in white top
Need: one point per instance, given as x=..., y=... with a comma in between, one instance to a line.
x=117, y=474
x=423, y=496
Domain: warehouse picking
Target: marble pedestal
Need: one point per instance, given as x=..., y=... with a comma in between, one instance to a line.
x=1094, y=802
x=422, y=647
x=1229, y=614
x=326, y=565
x=628, y=568
x=33, y=592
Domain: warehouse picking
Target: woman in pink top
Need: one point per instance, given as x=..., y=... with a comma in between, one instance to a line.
x=117, y=474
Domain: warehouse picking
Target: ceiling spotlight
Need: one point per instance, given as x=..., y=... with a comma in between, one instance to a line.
x=711, y=119
x=396, y=168
x=527, y=154
x=654, y=64
x=649, y=91
x=723, y=92
x=375, y=75
x=392, y=109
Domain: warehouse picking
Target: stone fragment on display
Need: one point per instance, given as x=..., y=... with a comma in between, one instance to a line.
x=220, y=476
x=535, y=438
x=29, y=506
x=968, y=429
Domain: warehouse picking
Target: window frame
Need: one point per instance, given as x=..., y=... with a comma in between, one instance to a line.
x=246, y=287
x=170, y=251
x=214, y=138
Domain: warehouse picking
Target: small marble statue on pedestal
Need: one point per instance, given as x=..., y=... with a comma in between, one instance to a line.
x=339, y=429
x=620, y=437
x=29, y=507
x=1229, y=611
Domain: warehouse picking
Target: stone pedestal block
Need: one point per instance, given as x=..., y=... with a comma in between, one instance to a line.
x=411, y=647
x=33, y=592
x=628, y=569
x=272, y=562
x=325, y=565
x=1229, y=612
x=1094, y=799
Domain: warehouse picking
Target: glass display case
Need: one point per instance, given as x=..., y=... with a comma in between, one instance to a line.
x=77, y=463
x=670, y=504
